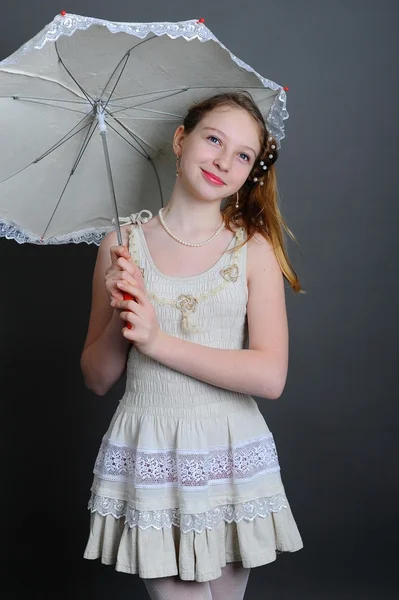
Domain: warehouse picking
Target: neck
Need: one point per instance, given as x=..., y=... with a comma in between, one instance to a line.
x=192, y=220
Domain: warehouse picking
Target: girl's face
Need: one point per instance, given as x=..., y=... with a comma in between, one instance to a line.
x=219, y=154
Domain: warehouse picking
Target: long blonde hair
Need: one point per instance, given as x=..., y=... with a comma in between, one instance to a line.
x=258, y=210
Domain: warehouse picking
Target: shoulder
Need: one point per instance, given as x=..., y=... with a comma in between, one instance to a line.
x=261, y=261
x=111, y=238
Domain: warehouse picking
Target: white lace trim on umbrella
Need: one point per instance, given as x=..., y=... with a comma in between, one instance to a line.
x=67, y=25
x=189, y=30
x=158, y=519
x=11, y=231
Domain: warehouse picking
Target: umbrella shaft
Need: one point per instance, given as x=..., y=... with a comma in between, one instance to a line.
x=111, y=185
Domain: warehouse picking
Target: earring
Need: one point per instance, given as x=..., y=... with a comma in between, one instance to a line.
x=237, y=196
x=177, y=166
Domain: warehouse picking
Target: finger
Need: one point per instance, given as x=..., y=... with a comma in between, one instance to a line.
x=125, y=276
x=137, y=293
x=130, y=317
x=119, y=251
x=129, y=305
x=130, y=332
x=126, y=265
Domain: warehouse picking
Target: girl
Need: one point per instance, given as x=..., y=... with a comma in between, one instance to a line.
x=187, y=491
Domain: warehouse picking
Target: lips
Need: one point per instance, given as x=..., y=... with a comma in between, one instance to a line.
x=212, y=178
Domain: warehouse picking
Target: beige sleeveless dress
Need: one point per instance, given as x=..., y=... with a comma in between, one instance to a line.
x=187, y=477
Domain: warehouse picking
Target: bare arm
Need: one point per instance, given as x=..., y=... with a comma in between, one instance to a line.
x=103, y=359
x=260, y=370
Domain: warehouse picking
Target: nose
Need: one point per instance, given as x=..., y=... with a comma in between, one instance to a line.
x=223, y=161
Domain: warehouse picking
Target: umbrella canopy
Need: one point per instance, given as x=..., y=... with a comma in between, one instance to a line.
x=131, y=82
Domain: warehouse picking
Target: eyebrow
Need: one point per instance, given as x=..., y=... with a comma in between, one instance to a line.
x=223, y=135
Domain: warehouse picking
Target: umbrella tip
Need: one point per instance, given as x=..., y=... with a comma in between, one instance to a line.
x=63, y=13
x=201, y=20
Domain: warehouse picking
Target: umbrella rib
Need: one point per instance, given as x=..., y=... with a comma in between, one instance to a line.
x=152, y=110
x=42, y=98
x=89, y=98
x=144, y=154
x=156, y=100
x=136, y=138
x=159, y=181
x=86, y=142
x=133, y=135
x=185, y=89
x=16, y=173
x=63, y=140
x=33, y=101
x=46, y=153
x=117, y=81
x=149, y=93
x=126, y=55
x=151, y=119
x=224, y=87
x=56, y=206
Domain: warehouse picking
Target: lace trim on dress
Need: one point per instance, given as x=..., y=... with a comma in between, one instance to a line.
x=186, y=469
x=143, y=519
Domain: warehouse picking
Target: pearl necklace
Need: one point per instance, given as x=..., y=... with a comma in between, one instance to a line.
x=182, y=241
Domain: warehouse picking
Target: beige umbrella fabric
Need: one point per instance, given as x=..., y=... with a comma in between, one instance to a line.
x=88, y=108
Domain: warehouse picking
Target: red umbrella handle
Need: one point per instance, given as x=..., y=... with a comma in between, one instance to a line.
x=127, y=296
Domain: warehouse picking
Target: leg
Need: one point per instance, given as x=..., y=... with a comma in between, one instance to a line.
x=231, y=584
x=174, y=588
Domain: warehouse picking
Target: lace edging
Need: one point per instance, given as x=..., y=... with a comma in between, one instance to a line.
x=192, y=29
x=189, y=30
x=158, y=519
x=186, y=469
x=11, y=231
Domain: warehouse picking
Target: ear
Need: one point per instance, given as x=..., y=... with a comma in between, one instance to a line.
x=178, y=140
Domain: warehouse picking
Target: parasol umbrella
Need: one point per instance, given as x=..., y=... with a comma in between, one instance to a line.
x=88, y=112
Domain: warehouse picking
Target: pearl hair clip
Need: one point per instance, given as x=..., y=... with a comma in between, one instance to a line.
x=262, y=164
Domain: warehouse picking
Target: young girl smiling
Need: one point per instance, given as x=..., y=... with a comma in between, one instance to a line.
x=187, y=491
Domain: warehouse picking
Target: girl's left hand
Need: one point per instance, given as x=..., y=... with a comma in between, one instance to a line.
x=145, y=331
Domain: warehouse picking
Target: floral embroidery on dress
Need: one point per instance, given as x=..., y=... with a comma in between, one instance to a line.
x=186, y=303
x=230, y=273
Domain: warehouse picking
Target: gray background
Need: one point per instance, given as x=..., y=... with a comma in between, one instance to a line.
x=336, y=422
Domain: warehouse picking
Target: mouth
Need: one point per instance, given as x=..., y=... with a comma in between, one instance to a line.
x=212, y=178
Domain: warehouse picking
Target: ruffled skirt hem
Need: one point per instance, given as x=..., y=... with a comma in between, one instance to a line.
x=166, y=552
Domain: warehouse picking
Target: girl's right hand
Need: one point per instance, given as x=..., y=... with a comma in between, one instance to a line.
x=122, y=268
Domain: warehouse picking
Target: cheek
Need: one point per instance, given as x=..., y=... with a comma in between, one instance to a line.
x=202, y=155
x=243, y=171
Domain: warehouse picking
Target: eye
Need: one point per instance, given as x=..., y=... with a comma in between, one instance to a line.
x=213, y=137
x=246, y=157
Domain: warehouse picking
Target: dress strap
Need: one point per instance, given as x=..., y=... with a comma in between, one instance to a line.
x=135, y=219
x=133, y=249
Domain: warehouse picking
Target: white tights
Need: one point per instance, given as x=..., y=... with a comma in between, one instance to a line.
x=230, y=585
